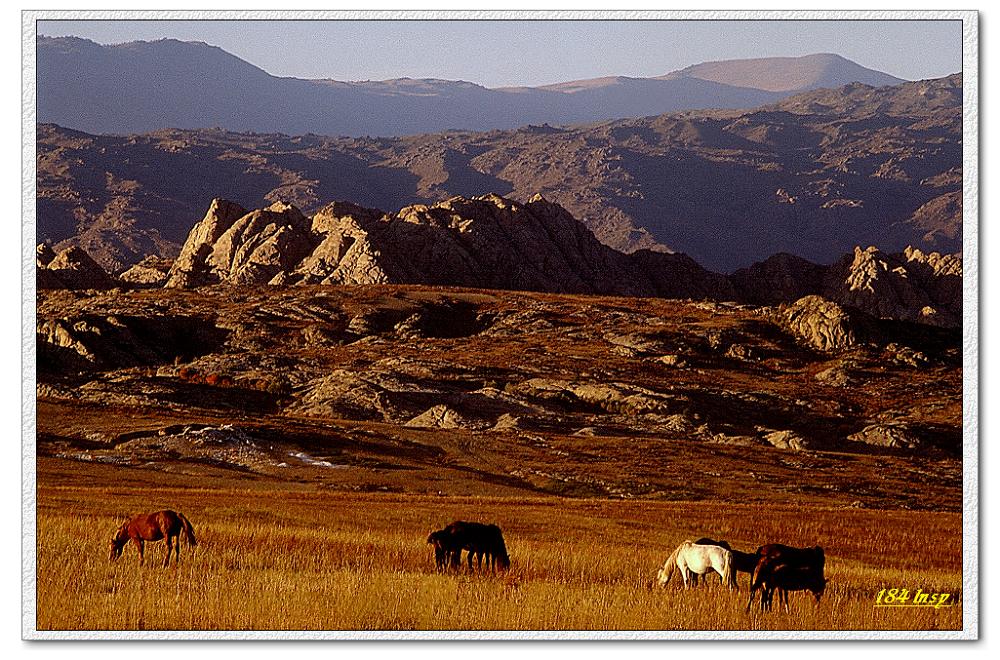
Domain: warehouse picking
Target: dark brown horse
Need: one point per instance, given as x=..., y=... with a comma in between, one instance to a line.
x=784, y=578
x=483, y=542
x=786, y=568
x=445, y=556
x=153, y=527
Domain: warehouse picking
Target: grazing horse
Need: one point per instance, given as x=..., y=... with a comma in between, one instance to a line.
x=786, y=568
x=743, y=562
x=481, y=541
x=690, y=558
x=784, y=578
x=444, y=556
x=153, y=527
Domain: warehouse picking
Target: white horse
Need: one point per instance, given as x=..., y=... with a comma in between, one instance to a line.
x=691, y=558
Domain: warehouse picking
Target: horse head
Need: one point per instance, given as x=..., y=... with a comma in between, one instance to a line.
x=820, y=587
x=118, y=542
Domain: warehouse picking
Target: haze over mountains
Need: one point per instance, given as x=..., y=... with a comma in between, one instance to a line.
x=144, y=86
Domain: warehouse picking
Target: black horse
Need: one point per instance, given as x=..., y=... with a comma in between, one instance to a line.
x=481, y=541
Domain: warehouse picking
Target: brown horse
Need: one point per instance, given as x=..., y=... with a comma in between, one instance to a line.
x=153, y=527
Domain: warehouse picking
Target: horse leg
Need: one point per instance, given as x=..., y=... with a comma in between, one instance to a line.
x=140, y=546
x=177, y=549
x=170, y=550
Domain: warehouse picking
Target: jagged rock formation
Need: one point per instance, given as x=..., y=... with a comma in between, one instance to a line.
x=494, y=243
x=910, y=286
x=483, y=242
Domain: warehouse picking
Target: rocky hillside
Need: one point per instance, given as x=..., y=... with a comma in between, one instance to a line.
x=431, y=389
x=494, y=243
x=146, y=86
x=813, y=176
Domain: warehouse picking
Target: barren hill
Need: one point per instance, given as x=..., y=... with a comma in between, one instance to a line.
x=430, y=389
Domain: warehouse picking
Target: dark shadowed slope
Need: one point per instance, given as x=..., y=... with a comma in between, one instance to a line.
x=145, y=86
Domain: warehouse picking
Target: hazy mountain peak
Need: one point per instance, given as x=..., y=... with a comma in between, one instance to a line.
x=787, y=74
x=144, y=86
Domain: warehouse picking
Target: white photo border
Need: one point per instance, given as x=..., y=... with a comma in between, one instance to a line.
x=970, y=336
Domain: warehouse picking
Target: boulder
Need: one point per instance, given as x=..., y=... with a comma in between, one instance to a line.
x=887, y=435
x=787, y=440
x=822, y=324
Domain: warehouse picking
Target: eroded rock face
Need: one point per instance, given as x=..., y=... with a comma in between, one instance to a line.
x=821, y=324
x=497, y=243
x=191, y=269
x=910, y=286
x=150, y=272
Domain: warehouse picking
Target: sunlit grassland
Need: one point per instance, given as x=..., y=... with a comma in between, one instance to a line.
x=281, y=560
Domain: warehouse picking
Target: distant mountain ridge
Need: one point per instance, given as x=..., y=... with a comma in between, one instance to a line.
x=145, y=86
x=814, y=175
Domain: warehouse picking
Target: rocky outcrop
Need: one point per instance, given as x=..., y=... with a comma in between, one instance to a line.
x=910, y=286
x=190, y=268
x=71, y=268
x=150, y=272
x=496, y=243
x=231, y=245
x=482, y=242
x=888, y=436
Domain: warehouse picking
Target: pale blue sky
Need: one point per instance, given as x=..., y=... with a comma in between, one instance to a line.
x=499, y=53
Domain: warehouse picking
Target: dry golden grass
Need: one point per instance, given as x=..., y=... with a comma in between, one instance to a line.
x=283, y=560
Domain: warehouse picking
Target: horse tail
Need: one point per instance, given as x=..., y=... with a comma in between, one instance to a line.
x=728, y=576
x=188, y=529
x=669, y=567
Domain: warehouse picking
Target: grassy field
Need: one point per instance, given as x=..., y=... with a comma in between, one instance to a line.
x=288, y=559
